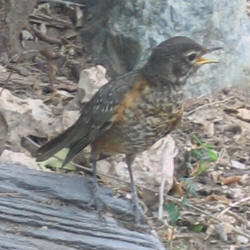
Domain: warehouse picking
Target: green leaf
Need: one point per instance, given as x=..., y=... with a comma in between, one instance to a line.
x=209, y=146
x=191, y=186
x=185, y=201
x=202, y=168
x=173, y=212
x=57, y=163
x=197, y=228
x=199, y=142
x=181, y=246
x=70, y=167
x=213, y=155
x=197, y=153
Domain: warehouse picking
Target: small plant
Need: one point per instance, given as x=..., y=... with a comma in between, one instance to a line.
x=181, y=247
x=204, y=154
x=56, y=162
x=197, y=228
x=190, y=186
x=173, y=212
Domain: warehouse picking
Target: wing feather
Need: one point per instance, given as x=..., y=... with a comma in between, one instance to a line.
x=96, y=117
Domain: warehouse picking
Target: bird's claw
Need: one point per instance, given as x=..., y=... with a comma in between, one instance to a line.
x=98, y=204
x=140, y=217
x=94, y=203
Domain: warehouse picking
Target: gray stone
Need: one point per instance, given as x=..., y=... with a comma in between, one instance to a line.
x=121, y=34
x=241, y=239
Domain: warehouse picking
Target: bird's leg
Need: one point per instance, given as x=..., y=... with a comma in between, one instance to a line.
x=139, y=215
x=96, y=186
x=96, y=201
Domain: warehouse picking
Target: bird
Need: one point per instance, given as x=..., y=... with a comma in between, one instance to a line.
x=133, y=111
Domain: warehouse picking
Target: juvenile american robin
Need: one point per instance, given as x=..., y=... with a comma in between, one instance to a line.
x=130, y=113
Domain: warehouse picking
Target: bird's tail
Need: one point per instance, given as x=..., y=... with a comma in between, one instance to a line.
x=52, y=147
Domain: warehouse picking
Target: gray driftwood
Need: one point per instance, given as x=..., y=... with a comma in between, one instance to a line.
x=40, y=210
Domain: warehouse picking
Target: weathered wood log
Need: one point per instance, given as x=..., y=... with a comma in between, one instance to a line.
x=41, y=210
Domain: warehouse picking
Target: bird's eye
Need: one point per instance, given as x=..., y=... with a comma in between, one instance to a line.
x=191, y=57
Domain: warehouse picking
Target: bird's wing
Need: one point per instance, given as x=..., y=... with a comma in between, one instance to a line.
x=96, y=117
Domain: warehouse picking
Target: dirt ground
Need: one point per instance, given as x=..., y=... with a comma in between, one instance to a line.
x=206, y=201
x=223, y=189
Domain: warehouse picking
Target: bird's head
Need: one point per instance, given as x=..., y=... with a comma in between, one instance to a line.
x=175, y=59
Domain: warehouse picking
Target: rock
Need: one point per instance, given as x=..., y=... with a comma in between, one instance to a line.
x=244, y=114
x=91, y=80
x=238, y=165
x=221, y=232
x=69, y=117
x=26, y=117
x=241, y=239
x=42, y=210
x=26, y=35
x=9, y=157
x=121, y=33
x=3, y=131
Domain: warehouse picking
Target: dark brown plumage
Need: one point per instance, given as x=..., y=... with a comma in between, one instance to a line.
x=129, y=114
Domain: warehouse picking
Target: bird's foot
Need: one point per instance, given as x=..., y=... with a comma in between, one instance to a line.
x=97, y=202
x=140, y=217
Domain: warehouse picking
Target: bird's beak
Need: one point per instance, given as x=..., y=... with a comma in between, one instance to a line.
x=200, y=61
x=203, y=60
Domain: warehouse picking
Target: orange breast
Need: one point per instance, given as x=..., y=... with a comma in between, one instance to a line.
x=145, y=115
x=131, y=98
x=111, y=141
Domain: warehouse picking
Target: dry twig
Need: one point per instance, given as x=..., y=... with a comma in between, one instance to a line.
x=167, y=172
x=7, y=80
x=208, y=104
x=233, y=205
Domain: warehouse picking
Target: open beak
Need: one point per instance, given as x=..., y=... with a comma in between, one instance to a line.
x=200, y=61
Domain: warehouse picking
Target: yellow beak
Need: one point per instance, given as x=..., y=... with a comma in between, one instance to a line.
x=202, y=60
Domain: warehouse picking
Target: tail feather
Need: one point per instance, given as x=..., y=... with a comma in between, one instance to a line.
x=52, y=147
x=74, y=149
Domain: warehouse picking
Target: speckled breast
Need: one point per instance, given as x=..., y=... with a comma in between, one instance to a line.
x=145, y=115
